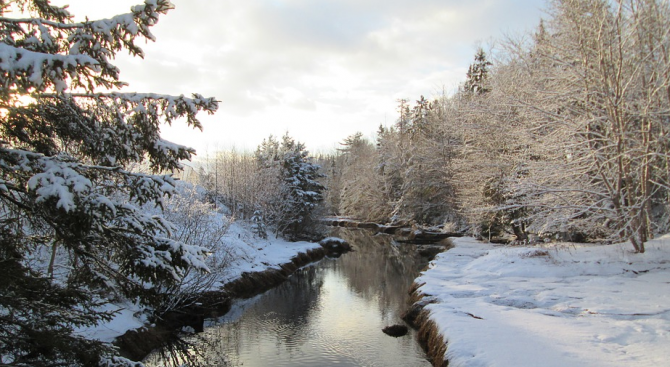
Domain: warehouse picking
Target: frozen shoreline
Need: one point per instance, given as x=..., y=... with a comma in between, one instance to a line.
x=554, y=305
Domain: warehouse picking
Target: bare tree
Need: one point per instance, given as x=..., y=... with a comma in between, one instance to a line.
x=595, y=98
x=362, y=194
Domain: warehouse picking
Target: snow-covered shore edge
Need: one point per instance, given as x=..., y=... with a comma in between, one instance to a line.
x=553, y=305
x=137, y=343
x=253, y=266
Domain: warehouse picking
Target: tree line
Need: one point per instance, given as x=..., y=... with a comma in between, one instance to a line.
x=563, y=132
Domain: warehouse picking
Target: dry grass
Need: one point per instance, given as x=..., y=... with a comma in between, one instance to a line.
x=429, y=337
x=414, y=294
x=431, y=340
x=536, y=253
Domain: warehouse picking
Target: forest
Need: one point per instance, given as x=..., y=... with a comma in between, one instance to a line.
x=561, y=134
x=558, y=134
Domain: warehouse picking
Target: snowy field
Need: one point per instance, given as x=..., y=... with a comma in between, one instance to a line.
x=559, y=305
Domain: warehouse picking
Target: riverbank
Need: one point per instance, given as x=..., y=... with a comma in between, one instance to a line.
x=404, y=233
x=553, y=305
x=137, y=343
x=330, y=314
x=245, y=266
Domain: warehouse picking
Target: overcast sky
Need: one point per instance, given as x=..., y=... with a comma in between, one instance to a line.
x=320, y=69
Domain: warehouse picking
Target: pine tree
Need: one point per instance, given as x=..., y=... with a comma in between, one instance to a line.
x=258, y=224
x=72, y=234
x=478, y=74
x=267, y=153
x=301, y=192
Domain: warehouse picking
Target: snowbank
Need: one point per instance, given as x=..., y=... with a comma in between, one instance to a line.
x=128, y=316
x=249, y=254
x=559, y=305
x=241, y=252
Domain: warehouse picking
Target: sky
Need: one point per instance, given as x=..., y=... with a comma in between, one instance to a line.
x=318, y=69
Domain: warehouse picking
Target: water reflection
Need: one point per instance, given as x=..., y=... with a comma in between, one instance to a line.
x=379, y=270
x=326, y=315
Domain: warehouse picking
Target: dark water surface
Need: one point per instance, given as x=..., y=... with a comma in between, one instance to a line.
x=330, y=314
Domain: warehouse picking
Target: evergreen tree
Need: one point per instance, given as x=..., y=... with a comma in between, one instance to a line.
x=420, y=117
x=478, y=74
x=267, y=153
x=353, y=143
x=72, y=234
x=301, y=192
x=404, y=122
x=258, y=224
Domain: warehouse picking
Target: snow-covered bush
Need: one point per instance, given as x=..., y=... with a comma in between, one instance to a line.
x=196, y=222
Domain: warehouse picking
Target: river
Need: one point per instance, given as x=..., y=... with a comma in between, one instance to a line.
x=328, y=314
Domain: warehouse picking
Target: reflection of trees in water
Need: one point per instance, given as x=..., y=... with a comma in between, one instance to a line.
x=377, y=269
x=181, y=350
x=283, y=313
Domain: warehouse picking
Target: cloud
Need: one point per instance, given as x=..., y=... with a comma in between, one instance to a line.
x=315, y=66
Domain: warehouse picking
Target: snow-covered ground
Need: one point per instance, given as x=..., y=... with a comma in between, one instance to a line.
x=240, y=252
x=251, y=254
x=559, y=305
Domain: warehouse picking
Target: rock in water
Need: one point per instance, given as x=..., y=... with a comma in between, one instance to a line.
x=335, y=246
x=395, y=330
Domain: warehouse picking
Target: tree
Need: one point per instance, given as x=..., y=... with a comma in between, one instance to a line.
x=301, y=191
x=391, y=155
x=268, y=178
x=258, y=225
x=601, y=115
x=362, y=194
x=195, y=222
x=476, y=82
x=331, y=165
x=288, y=186
x=72, y=232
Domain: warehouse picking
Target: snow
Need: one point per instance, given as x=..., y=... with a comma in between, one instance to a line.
x=168, y=147
x=61, y=181
x=251, y=254
x=333, y=240
x=15, y=60
x=245, y=253
x=128, y=316
x=555, y=305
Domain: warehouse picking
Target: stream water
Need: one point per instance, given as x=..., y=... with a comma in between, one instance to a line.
x=328, y=314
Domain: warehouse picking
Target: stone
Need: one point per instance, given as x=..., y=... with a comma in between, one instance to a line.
x=396, y=330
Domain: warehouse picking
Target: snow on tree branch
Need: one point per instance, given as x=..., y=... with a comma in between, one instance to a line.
x=163, y=105
x=27, y=69
x=40, y=53
x=75, y=225
x=58, y=179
